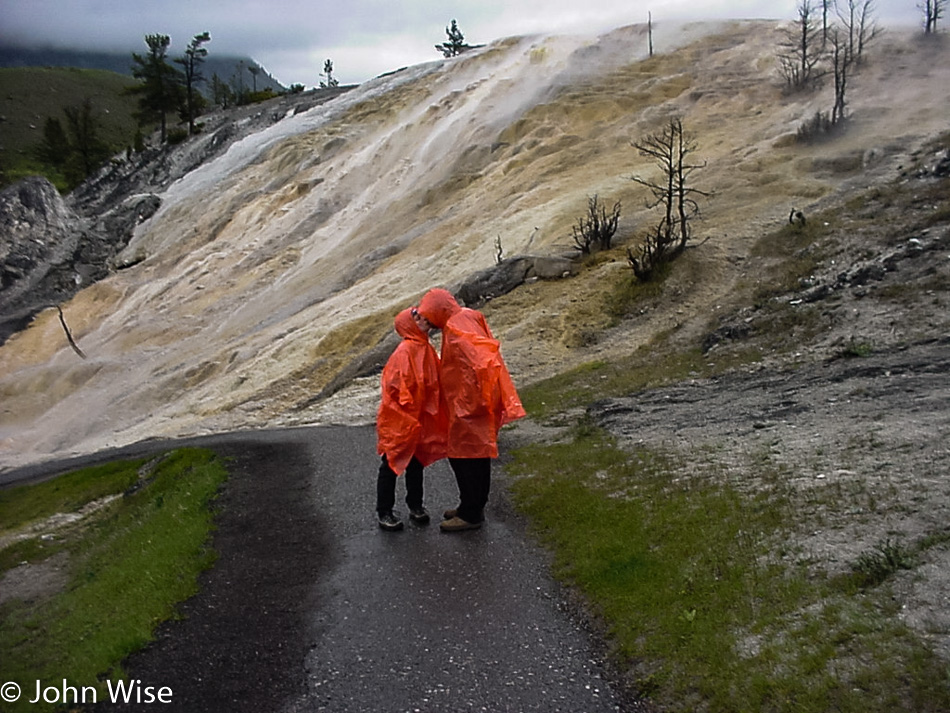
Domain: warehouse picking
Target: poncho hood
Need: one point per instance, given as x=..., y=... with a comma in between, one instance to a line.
x=437, y=306
x=407, y=328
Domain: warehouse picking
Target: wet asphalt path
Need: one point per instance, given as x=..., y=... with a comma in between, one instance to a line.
x=311, y=607
x=429, y=621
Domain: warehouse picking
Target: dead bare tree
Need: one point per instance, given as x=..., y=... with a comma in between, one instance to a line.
x=933, y=10
x=868, y=29
x=670, y=150
x=595, y=230
x=826, y=6
x=801, y=52
x=841, y=62
x=650, y=30
x=841, y=55
x=857, y=16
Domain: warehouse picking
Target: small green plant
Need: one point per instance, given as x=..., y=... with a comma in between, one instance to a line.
x=874, y=567
x=855, y=348
x=176, y=136
x=817, y=128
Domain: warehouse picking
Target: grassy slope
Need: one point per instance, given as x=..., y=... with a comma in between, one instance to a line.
x=129, y=563
x=28, y=96
x=703, y=607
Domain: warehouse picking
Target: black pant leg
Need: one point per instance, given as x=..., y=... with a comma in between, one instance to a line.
x=385, y=488
x=473, y=476
x=483, y=485
x=414, y=484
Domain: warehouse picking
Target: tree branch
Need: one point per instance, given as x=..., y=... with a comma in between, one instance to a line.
x=69, y=336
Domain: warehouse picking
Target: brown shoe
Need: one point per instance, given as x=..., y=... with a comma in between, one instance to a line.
x=449, y=514
x=457, y=524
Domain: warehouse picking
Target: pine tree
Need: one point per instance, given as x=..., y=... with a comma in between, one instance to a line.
x=456, y=44
x=54, y=149
x=328, y=73
x=160, y=90
x=88, y=150
x=191, y=65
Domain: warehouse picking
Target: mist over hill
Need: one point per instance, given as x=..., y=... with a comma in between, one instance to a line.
x=228, y=68
x=267, y=272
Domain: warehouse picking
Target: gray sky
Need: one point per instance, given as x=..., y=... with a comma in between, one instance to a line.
x=364, y=38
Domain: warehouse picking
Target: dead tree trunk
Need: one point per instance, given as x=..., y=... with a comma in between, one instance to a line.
x=673, y=193
x=800, y=53
x=69, y=335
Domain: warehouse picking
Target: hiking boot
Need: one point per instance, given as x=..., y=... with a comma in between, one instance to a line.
x=419, y=516
x=388, y=521
x=457, y=524
x=449, y=514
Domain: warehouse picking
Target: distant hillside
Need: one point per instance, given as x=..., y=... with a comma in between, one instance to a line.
x=37, y=84
x=28, y=96
x=229, y=69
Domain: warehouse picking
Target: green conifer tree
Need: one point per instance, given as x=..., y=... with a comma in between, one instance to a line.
x=456, y=42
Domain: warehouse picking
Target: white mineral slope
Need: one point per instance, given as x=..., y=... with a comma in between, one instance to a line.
x=270, y=268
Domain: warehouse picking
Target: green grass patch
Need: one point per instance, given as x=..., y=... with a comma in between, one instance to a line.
x=701, y=601
x=30, y=95
x=66, y=493
x=25, y=505
x=793, y=262
x=872, y=568
x=129, y=566
x=628, y=294
x=650, y=366
x=855, y=349
x=888, y=557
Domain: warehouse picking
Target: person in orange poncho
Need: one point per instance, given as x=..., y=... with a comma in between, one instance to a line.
x=410, y=423
x=479, y=398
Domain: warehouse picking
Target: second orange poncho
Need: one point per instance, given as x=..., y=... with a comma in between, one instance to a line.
x=477, y=389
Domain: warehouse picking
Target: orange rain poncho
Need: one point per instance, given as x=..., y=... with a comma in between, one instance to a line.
x=410, y=421
x=477, y=389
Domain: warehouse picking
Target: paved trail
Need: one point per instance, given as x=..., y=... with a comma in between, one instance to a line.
x=311, y=607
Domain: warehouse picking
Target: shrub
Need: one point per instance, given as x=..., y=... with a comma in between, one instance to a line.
x=176, y=136
x=872, y=568
x=595, y=230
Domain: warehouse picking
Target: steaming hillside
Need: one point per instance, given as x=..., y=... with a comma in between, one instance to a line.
x=267, y=271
